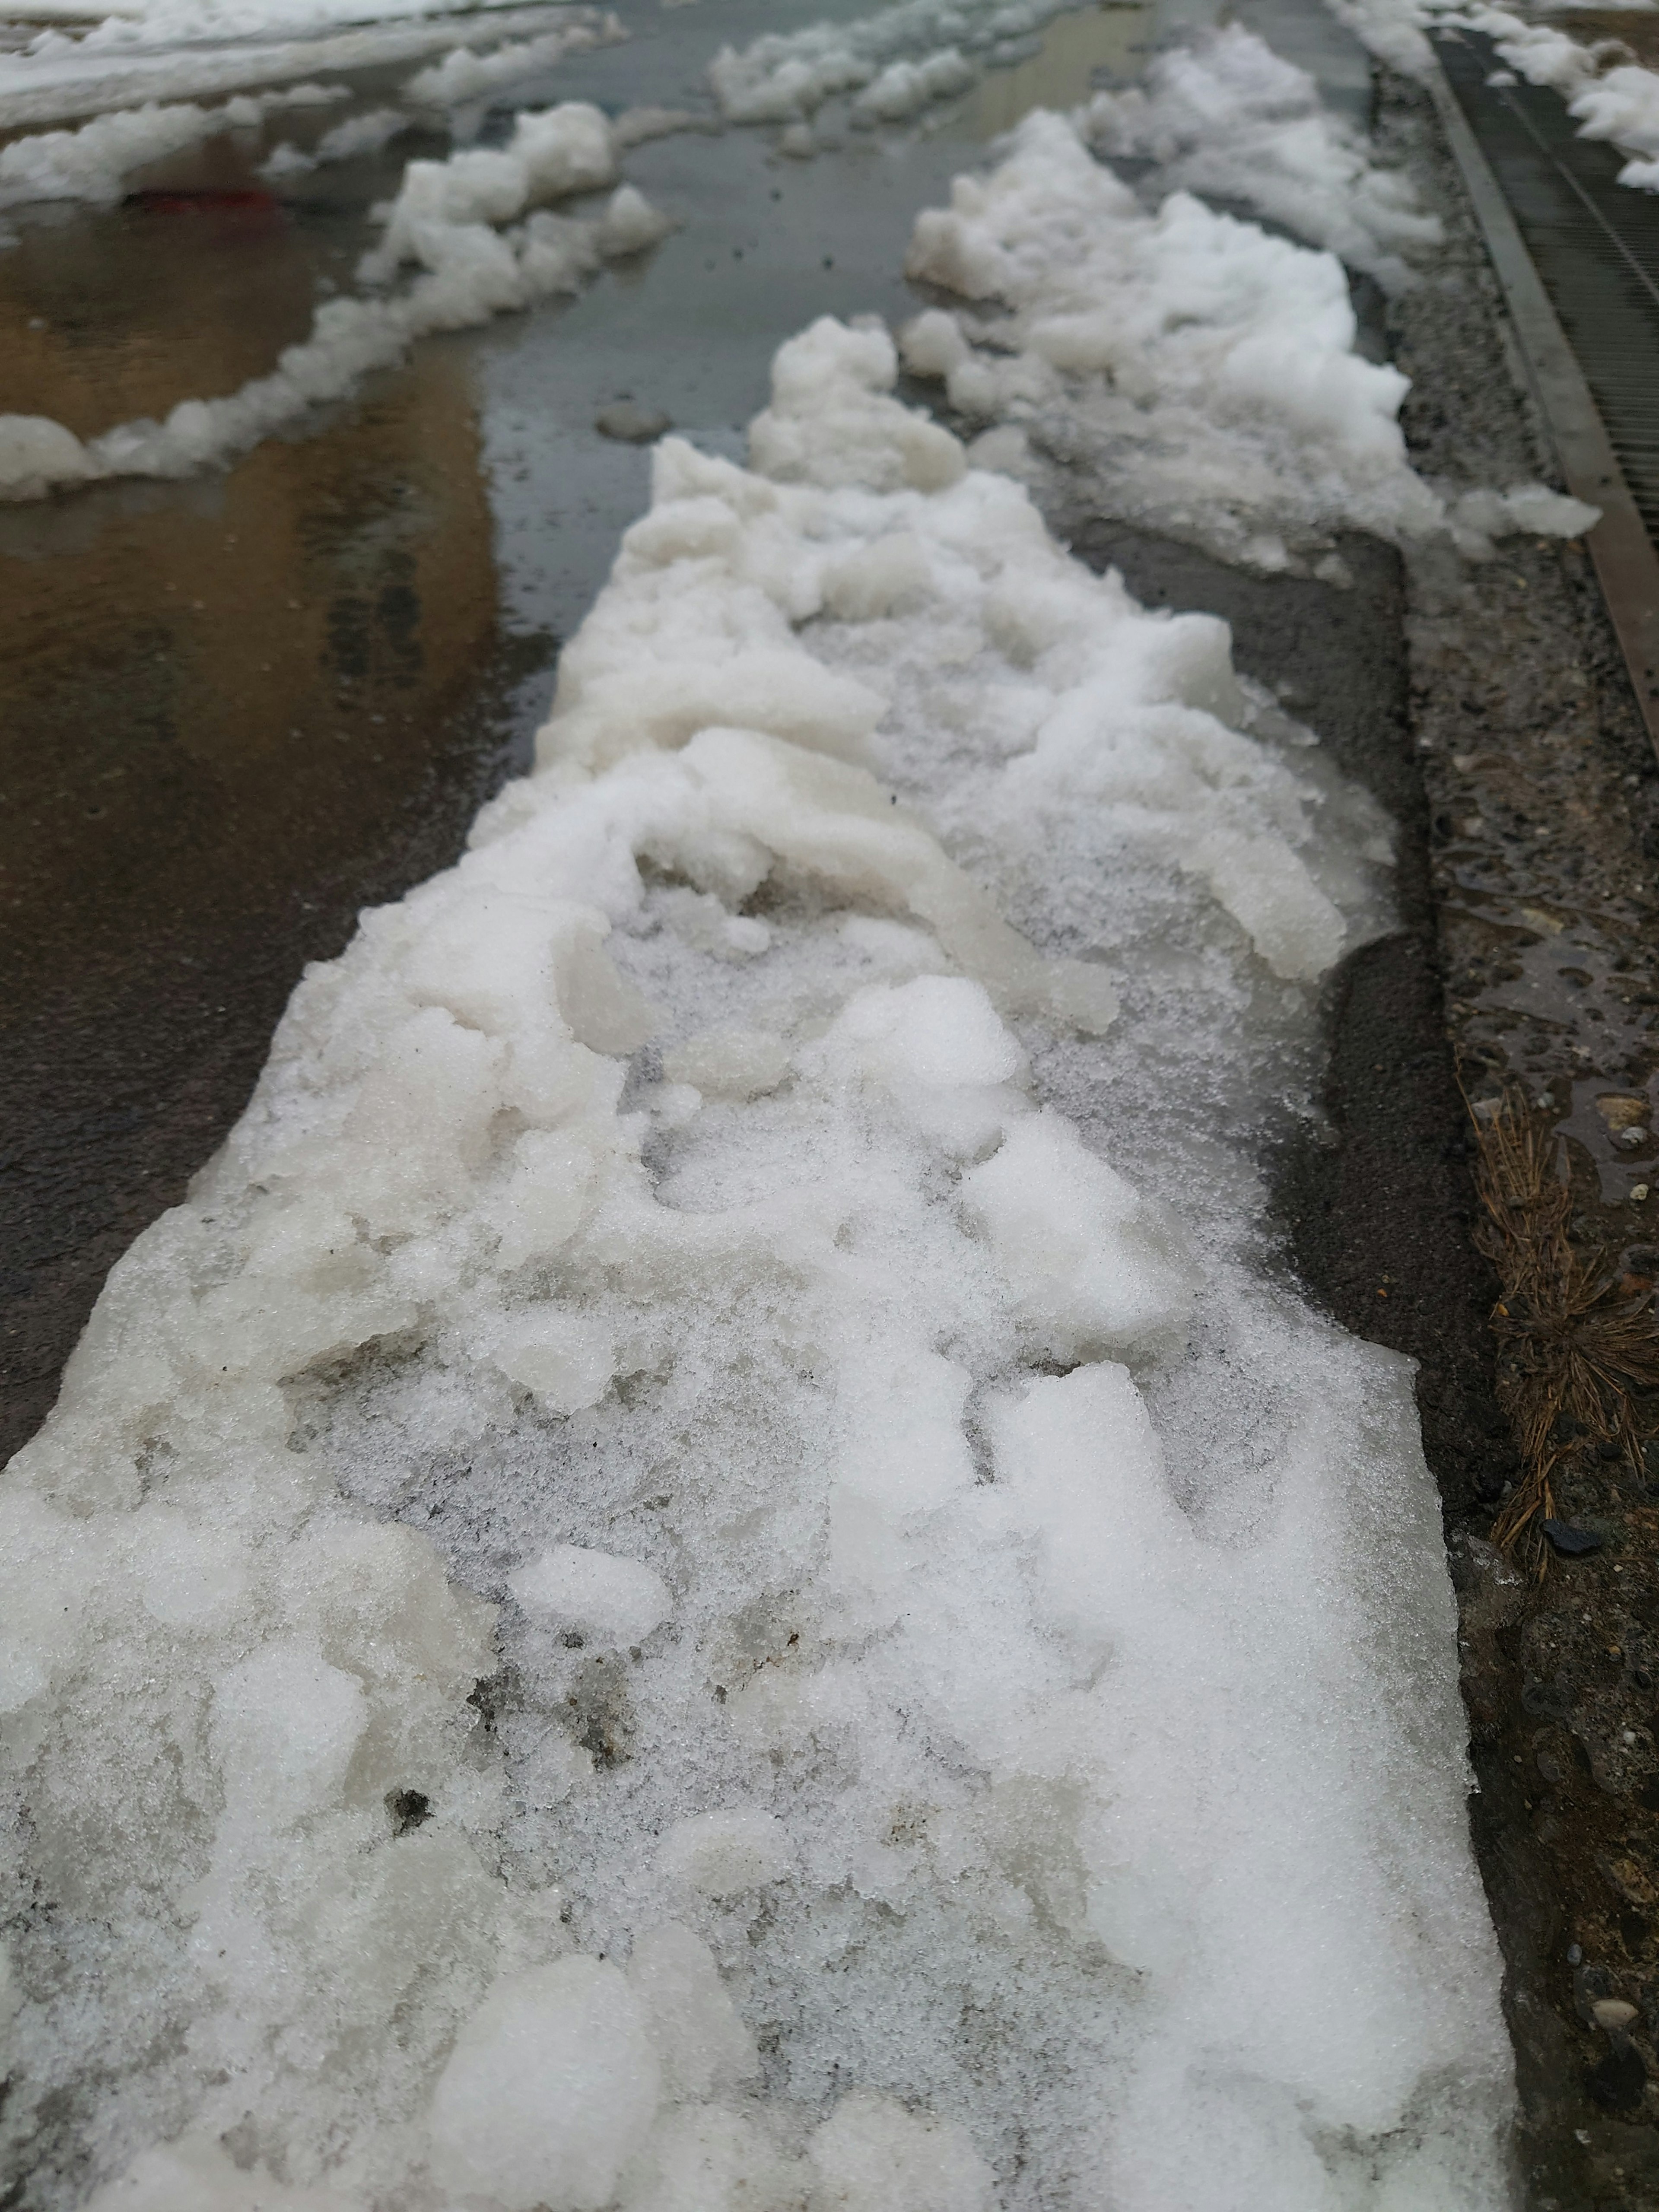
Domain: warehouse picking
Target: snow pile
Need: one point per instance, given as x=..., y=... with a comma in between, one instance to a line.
x=92, y=164
x=1228, y=119
x=1194, y=373
x=553, y=152
x=967, y=1712
x=1624, y=106
x=441, y=221
x=1618, y=103
x=907, y=56
x=1609, y=94
x=464, y=75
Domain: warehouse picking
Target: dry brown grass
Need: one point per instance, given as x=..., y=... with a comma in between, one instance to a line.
x=1572, y=1338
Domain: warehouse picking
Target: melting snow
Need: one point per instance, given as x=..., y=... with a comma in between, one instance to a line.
x=702, y=1571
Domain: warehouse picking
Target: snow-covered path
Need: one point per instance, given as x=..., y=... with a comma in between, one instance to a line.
x=709, y=1567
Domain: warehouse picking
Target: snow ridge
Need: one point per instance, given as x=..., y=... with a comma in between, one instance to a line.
x=785, y=76
x=700, y=1572
x=91, y=164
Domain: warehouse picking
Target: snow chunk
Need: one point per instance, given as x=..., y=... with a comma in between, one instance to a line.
x=609, y=1600
x=700, y=2042
x=1093, y=1264
x=872, y=2155
x=39, y=456
x=1229, y=118
x=551, y=2083
x=285, y=1725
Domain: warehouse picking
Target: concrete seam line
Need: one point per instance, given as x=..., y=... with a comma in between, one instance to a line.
x=1626, y=564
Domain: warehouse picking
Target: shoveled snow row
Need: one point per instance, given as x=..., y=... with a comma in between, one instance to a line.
x=702, y=1573
x=131, y=62
x=92, y=164
x=1609, y=95
x=898, y=60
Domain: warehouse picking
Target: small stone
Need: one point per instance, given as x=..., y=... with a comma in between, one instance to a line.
x=1612, y=2012
x=1575, y=1955
x=1630, y=1138
x=632, y=425
x=1639, y=1192
x=1572, y=1543
x=1622, y=1111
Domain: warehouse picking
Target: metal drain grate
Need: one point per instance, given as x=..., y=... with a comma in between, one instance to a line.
x=1595, y=243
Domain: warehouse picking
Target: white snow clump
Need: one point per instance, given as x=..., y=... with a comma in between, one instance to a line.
x=1618, y=103
x=970, y=1637
x=900, y=59
x=1192, y=373
x=358, y=135
x=1227, y=118
x=92, y=163
x=464, y=75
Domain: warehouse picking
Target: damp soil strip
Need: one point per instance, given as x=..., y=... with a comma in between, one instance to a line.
x=1626, y=564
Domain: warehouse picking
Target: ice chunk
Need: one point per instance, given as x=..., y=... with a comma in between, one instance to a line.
x=700, y=2042
x=872, y=2156
x=730, y=1063
x=567, y=1360
x=551, y=2085
x=196, y=2175
x=1093, y=1264
x=609, y=1600
x=704, y=2158
x=285, y=1725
